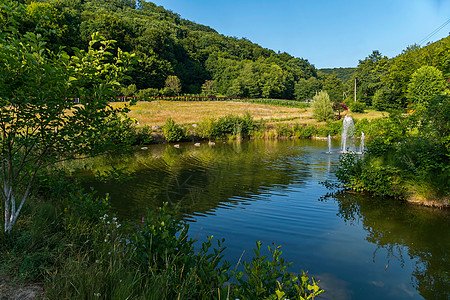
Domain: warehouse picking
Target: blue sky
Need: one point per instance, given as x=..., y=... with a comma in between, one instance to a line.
x=329, y=33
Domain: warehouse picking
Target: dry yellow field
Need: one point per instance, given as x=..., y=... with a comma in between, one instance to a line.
x=157, y=112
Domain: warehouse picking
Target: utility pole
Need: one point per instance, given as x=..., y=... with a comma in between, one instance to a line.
x=355, y=89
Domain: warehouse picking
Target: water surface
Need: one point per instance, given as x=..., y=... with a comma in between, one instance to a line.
x=360, y=247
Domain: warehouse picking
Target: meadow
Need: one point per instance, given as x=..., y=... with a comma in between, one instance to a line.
x=156, y=113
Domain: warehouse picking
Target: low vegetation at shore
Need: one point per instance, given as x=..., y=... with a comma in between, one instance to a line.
x=408, y=158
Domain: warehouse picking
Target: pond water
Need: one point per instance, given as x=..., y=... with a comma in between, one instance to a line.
x=360, y=247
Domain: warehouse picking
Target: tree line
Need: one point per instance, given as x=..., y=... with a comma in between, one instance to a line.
x=176, y=56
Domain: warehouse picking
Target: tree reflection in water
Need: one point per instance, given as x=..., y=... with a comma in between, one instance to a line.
x=404, y=229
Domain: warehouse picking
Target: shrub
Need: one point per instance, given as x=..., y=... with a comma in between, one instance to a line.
x=334, y=128
x=339, y=107
x=207, y=128
x=304, y=131
x=147, y=94
x=172, y=131
x=322, y=131
x=284, y=129
x=357, y=107
x=321, y=107
x=143, y=135
x=236, y=126
x=362, y=125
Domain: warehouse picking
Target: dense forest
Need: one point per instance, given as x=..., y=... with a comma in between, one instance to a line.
x=167, y=45
x=177, y=56
x=344, y=74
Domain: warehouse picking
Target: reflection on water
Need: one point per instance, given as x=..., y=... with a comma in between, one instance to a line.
x=360, y=247
x=404, y=232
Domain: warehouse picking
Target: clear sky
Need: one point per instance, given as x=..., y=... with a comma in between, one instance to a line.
x=329, y=33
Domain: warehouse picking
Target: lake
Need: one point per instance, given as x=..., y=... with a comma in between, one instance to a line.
x=359, y=246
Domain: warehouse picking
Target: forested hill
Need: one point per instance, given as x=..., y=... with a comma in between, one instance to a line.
x=167, y=44
x=344, y=74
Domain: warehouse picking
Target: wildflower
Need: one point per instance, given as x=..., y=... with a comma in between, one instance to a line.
x=97, y=261
x=143, y=220
x=109, y=253
x=97, y=294
x=118, y=225
x=106, y=240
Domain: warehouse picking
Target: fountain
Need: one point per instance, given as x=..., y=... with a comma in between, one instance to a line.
x=348, y=131
x=361, y=145
x=348, y=134
x=329, y=143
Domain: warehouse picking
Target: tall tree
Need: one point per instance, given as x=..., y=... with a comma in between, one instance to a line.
x=40, y=121
x=426, y=83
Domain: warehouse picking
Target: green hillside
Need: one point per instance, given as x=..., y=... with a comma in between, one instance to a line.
x=167, y=44
x=344, y=74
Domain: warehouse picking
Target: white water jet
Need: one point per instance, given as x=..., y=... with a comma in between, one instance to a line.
x=361, y=145
x=329, y=143
x=348, y=130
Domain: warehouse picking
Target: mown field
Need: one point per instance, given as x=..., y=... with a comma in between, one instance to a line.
x=157, y=112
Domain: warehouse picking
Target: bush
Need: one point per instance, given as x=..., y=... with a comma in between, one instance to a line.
x=321, y=107
x=284, y=129
x=172, y=131
x=304, y=131
x=236, y=126
x=334, y=128
x=362, y=125
x=207, y=128
x=143, y=135
x=357, y=107
x=322, y=131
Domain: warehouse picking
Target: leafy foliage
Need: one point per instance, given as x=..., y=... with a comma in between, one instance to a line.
x=172, y=131
x=79, y=256
x=321, y=107
x=167, y=45
x=344, y=74
x=236, y=126
x=52, y=106
x=403, y=158
x=357, y=107
x=264, y=279
x=426, y=83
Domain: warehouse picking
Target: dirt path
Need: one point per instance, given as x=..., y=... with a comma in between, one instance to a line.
x=10, y=290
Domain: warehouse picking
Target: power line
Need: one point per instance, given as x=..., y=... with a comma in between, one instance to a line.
x=434, y=32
